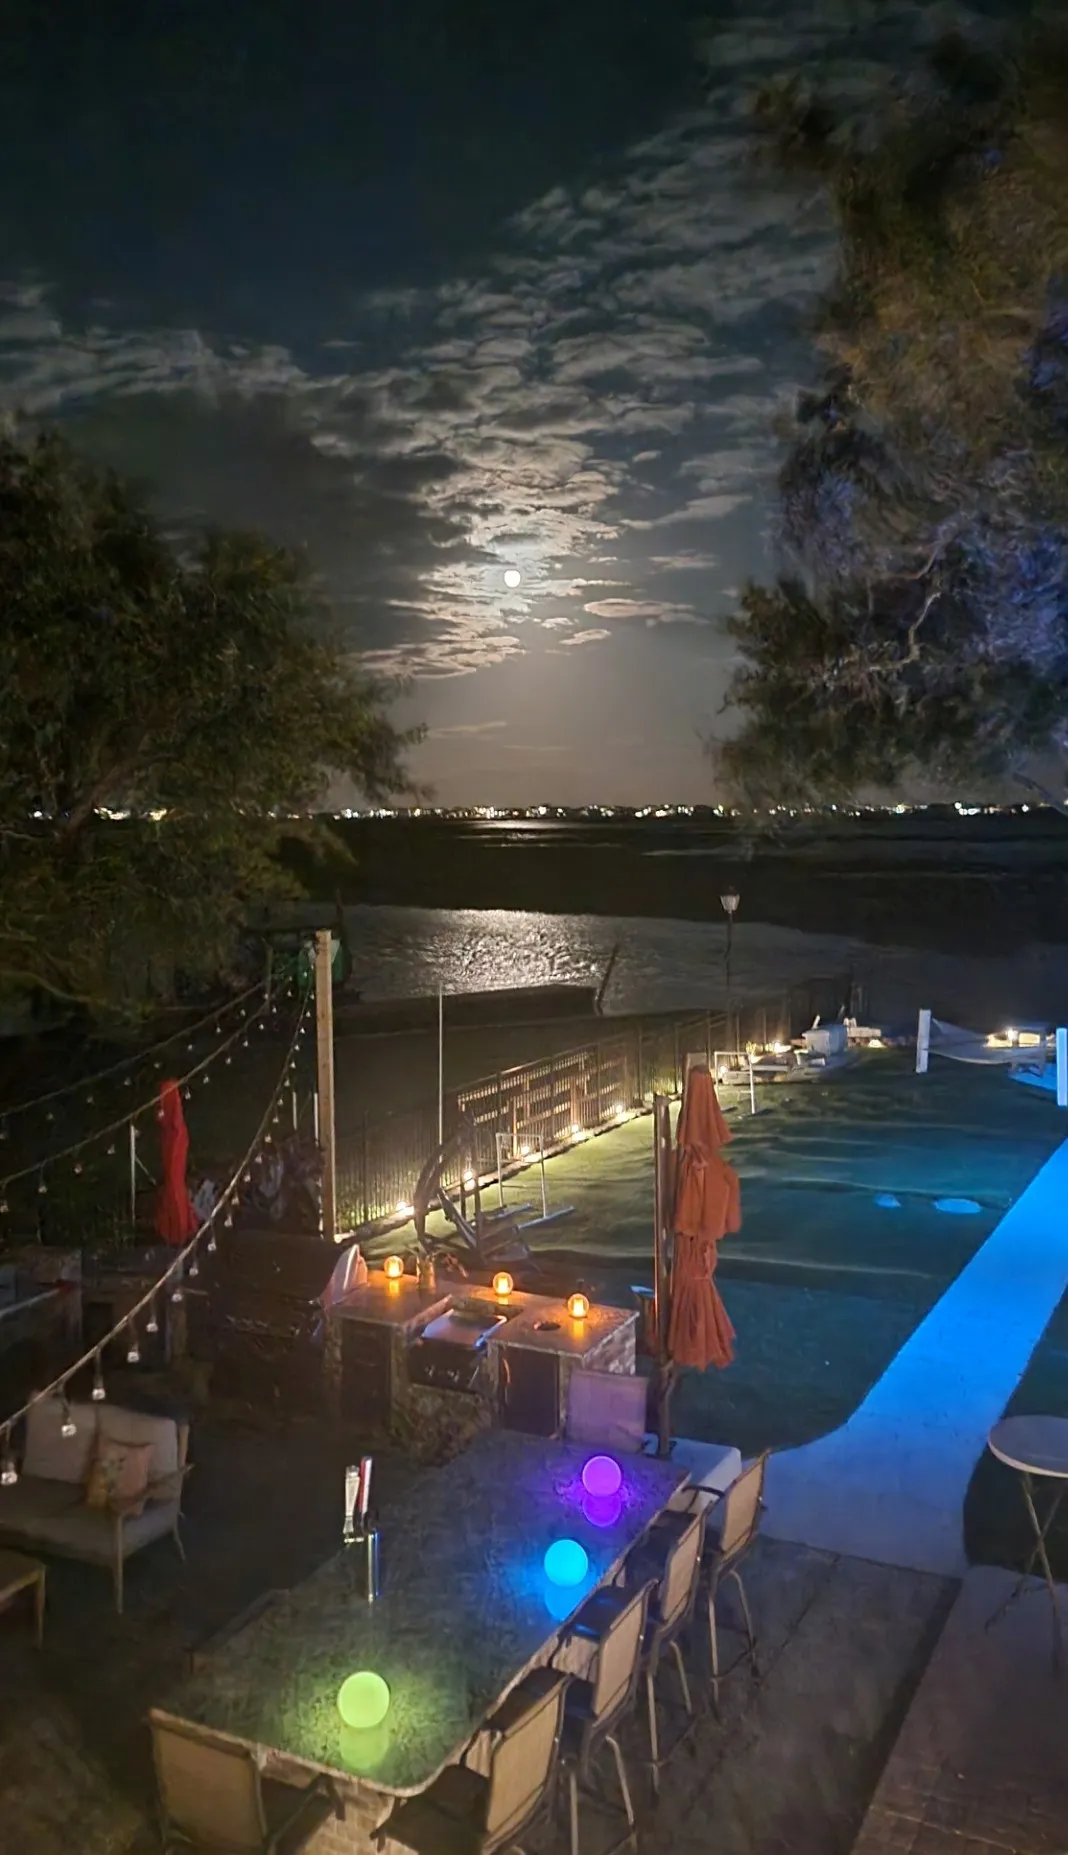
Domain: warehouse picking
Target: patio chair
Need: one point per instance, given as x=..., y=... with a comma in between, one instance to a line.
x=463, y=1813
x=732, y=1526
x=594, y=1709
x=212, y=1796
x=671, y=1613
x=607, y=1408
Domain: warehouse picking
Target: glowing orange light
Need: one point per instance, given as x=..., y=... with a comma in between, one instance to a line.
x=393, y=1268
x=503, y=1285
x=578, y=1306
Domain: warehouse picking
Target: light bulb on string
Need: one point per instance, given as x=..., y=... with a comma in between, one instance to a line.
x=152, y=1324
x=133, y=1350
x=78, y=1167
x=194, y=1267
x=177, y=1292
x=41, y=1186
x=8, y=1472
x=67, y=1425
x=98, y=1394
x=50, y=1116
x=89, y=1101
x=112, y=1148
x=212, y=1244
x=128, y=1082
x=228, y=1220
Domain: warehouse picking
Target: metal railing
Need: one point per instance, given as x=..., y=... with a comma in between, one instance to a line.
x=552, y=1100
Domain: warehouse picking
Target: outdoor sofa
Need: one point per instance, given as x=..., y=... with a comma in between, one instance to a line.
x=46, y=1509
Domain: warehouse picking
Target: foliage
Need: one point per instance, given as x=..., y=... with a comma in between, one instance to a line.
x=920, y=626
x=193, y=693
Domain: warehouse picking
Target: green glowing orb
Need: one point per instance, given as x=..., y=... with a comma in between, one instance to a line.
x=363, y=1700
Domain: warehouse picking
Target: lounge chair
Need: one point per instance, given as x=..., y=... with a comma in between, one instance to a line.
x=212, y=1796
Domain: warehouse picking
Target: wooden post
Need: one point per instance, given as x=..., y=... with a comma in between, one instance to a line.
x=324, y=1049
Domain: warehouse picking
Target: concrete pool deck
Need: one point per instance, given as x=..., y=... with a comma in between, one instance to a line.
x=889, y=1485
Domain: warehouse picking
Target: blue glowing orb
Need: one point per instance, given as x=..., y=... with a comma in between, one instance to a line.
x=566, y=1562
x=602, y=1476
x=957, y=1207
x=887, y=1202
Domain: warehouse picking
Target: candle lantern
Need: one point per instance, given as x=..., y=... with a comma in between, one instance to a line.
x=503, y=1285
x=578, y=1306
x=393, y=1268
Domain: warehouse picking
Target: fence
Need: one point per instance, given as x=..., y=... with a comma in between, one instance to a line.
x=555, y=1099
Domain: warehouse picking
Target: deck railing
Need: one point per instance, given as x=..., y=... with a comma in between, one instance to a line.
x=552, y=1100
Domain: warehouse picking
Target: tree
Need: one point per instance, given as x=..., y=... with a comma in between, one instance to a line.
x=192, y=694
x=920, y=623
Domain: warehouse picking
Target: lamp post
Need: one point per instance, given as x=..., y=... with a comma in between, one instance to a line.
x=729, y=904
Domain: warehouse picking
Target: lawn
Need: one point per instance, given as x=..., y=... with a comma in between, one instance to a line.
x=823, y=1283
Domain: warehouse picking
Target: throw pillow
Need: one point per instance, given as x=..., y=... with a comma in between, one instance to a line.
x=119, y=1472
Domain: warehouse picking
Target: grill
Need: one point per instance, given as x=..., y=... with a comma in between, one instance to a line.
x=449, y=1352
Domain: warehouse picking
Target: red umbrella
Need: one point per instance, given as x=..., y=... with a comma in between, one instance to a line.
x=176, y=1220
x=707, y=1206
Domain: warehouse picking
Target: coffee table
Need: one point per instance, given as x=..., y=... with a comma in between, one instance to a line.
x=18, y=1573
x=1037, y=1448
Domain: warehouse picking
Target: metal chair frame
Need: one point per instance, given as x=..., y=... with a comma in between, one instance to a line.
x=601, y=1618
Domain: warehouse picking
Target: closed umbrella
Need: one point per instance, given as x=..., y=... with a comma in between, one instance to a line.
x=706, y=1207
x=176, y=1220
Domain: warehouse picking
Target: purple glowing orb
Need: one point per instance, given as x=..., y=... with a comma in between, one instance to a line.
x=602, y=1477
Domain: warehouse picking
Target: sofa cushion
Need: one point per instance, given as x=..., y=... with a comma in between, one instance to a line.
x=32, y=1503
x=121, y=1426
x=118, y=1472
x=50, y=1456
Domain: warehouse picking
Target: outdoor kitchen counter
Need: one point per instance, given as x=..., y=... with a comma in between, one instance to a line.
x=465, y=1611
x=544, y=1326
x=394, y=1304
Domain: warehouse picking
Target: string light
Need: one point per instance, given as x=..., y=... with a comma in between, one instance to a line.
x=67, y=1425
x=131, y=1062
x=126, y=1120
x=8, y=1470
x=178, y=1292
x=133, y=1350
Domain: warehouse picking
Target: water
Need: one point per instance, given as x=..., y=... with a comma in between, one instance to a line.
x=666, y=965
x=662, y=965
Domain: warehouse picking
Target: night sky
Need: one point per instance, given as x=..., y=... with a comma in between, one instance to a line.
x=440, y=289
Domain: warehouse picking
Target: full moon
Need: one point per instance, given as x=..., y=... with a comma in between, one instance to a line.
x=512, y=576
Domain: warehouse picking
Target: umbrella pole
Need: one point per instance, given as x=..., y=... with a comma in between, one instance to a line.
x=661, y=1210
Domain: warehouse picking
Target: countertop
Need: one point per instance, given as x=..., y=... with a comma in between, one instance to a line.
x=404, y=1304
x=465, y=1610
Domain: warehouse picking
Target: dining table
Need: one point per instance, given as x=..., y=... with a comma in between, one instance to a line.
x=466, y=1609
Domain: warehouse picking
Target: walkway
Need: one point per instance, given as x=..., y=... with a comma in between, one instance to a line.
x=980, y=1767
x=890, y=1484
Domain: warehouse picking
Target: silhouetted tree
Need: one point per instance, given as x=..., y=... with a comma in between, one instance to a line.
x=920, y=626
x=194, y=694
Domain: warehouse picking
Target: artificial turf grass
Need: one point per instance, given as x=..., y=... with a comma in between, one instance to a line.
x=823, y=1285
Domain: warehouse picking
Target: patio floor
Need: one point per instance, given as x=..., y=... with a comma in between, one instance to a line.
x=794, y=1763
x=980, y=1765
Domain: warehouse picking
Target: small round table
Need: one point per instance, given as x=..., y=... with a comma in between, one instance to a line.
x=1037, y=1448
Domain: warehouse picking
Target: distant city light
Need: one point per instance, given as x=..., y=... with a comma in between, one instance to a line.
x=512, y=576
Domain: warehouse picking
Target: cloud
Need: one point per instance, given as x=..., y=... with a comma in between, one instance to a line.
x=464, y=728
x=607, y=368
x=636, y=608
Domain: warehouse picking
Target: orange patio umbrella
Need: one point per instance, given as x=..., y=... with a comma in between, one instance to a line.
x=707, y=1207
x=176, y=1220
